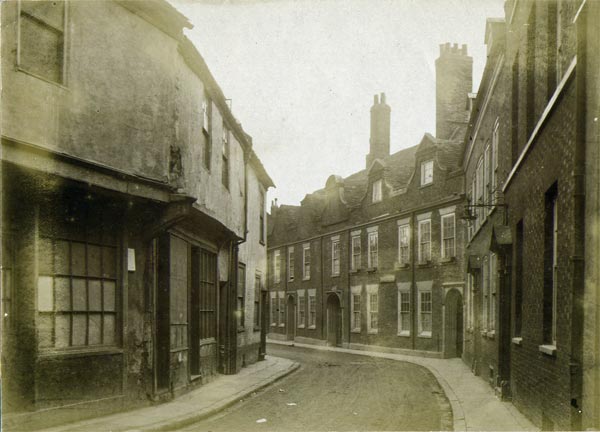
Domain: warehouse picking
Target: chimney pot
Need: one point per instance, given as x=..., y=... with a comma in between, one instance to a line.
x=464, y=49
x=382, y=98
x=375, y=100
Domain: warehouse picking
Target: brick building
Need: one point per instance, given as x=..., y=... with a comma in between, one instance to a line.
x=375, y=259
x=133, y=225
x=531, y=175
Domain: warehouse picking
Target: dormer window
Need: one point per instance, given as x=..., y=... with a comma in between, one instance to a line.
x=376, y=197
x=426, y=172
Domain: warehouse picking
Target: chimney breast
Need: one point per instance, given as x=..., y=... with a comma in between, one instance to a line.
x=454, y=82
x=379, y=144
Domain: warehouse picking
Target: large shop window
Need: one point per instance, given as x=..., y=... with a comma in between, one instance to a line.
x=77, y=294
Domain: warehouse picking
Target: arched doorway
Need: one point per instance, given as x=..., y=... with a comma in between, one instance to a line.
x=291, y=318
x=453, y=325
x=334, y=318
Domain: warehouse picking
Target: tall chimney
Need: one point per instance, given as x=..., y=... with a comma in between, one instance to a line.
x=379, y=147
x=454, y=82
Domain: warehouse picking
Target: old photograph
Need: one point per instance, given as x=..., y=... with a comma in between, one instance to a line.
x=300, y=215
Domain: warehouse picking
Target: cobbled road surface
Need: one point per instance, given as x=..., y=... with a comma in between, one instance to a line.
x=335, y=391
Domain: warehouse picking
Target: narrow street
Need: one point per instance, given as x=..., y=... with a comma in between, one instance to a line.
x=338, y=391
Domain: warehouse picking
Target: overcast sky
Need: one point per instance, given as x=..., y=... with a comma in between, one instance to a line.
x=302, y=74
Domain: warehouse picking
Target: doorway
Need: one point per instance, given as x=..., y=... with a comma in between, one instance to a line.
x=454, y=324
x=334, y=316
x=291, y=317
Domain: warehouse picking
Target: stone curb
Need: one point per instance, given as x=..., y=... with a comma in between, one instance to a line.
x=458, y=414
x=186, y=420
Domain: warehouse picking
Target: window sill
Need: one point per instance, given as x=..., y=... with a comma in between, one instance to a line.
x=301, y=326
x=491, y=334
x=312, y=327
x=426, y=185
x=26, y=72
x=373, y=331
x=424, y=264
x=291, y=280
x=262, y=242
x=355, y=331
x=517, y=341
x=306, y=278
x=353, y=271
x=371, y=269
x=241, y=329
x=256, y=328
x=426, y=335
x=448, y=260
x=404, y=334
x=402, y=266
x=281, y=325
x=335, y=275
x=549, y=350
x=73, y=353
x=483, y=333
x=273, y=324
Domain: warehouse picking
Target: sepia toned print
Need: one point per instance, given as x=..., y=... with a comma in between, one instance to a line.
x=400, y=279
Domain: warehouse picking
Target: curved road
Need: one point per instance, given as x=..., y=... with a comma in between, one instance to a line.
x=339, y=391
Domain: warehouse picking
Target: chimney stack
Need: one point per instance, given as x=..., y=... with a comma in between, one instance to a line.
x=379, y=147
x=454, y=82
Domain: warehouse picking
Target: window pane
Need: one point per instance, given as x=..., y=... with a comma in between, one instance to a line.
x=109, y=329
x=109, y=262
x=61, y=257
x=79, y=295
x=94, y=261
x=95, y=329
x=45, y=294
x=95, y=293
x=62, y=330
x=62, y=294
x=79, y=329
x=78, y=259
x=41, y=49
x=51, y=12
x=109, y=296
x=45, y=324
x=45, y=256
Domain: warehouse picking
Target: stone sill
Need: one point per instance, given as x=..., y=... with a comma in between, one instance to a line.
x=335, y=275
x=426, y=335
x=404, y=334
x=517, y=341
x=449, y=260
x=72, y=353
x=301, y=326
x=371, y=269
x=424, y=264
x=491, y=334
x=355, y=331
x=281, y=325
x=306, y=278
x=548, y=350
x=312, y=327
x=373, y=331
x=354, y=271
x=256, y=329
x=241, y=329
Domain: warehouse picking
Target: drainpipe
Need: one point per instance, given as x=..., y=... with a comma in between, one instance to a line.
x=413, y=282
x=577, y=260
x=323, y=311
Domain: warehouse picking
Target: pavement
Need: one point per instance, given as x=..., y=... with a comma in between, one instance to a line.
x=475, y=407
x=194, y=406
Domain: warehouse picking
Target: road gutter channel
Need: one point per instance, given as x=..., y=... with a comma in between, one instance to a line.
x=458, y=415
x=219, y=406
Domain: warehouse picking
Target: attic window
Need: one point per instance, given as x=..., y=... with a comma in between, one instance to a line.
x=376, y=197
x=426, y=172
